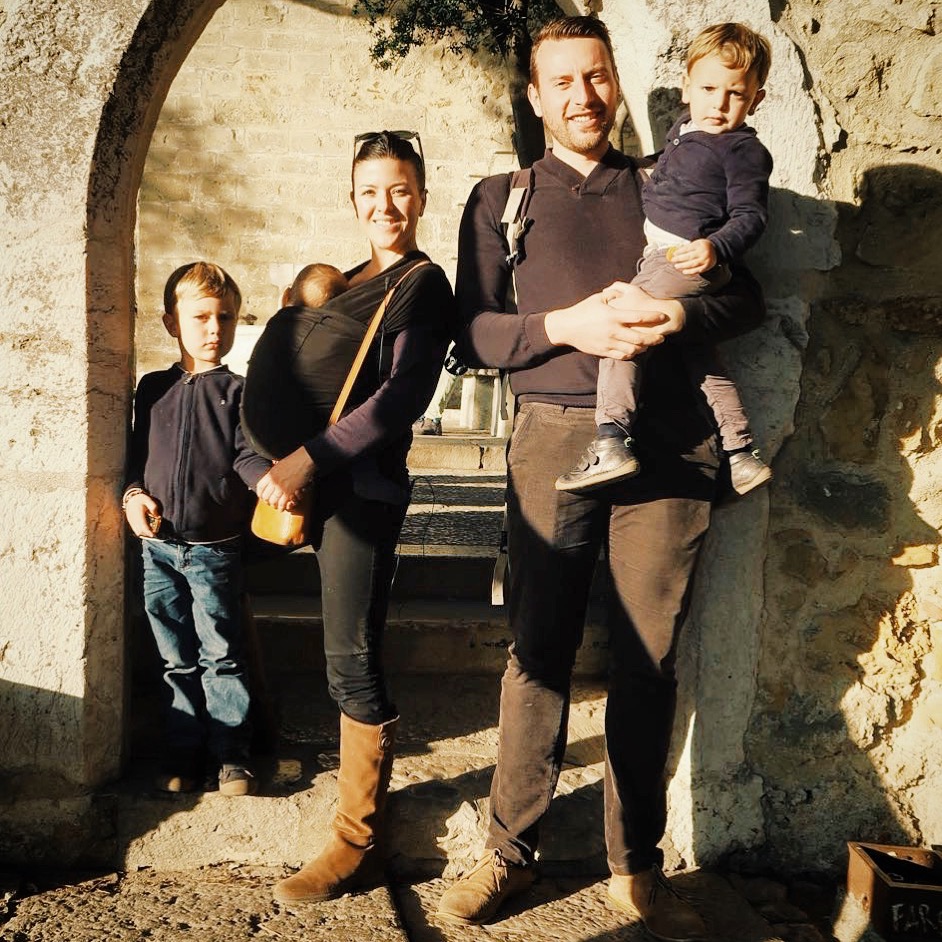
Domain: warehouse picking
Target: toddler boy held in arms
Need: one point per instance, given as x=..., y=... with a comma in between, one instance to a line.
x=705, y=204
x=188, y=498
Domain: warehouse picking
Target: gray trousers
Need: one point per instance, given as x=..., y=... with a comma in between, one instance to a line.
x=554, y=540
x=619, y=381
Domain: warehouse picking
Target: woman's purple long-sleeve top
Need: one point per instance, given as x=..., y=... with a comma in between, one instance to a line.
x=372, y=438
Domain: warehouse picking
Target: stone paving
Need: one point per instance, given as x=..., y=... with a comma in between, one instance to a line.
x=201, y=867
x=211, y=904
x=232, y=903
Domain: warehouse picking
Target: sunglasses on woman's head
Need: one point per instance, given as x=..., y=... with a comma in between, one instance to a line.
x=367, y=137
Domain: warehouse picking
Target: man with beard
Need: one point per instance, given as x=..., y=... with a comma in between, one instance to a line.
x=582, y=239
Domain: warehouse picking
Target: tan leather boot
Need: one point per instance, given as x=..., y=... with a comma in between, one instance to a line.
x=650, y=897
x=352, y=859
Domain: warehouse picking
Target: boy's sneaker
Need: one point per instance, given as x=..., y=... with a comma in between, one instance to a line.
x=426, y=426
x=175, y=783
x=747, y=471
x=236, y=780
x=605, y=461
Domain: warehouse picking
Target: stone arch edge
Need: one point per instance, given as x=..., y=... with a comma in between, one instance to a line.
x=161, y=41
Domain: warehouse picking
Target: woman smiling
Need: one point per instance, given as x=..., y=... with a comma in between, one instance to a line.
x=357, y=469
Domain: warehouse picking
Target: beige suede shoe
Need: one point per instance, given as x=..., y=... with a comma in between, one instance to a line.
x=477, y=896
x=650, y=897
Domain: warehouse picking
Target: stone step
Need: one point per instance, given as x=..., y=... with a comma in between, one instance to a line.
x=427, y=571
x=423, y=636
x=458, y=451
x=448, y=544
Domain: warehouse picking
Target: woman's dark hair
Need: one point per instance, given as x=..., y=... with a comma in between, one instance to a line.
x=389, y=144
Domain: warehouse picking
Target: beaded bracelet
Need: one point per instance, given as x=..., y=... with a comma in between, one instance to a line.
x=129, y=493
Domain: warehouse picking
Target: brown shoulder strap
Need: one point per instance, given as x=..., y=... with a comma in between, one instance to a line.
x=365, y=344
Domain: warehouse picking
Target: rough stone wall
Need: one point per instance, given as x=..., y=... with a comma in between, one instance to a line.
x=76, y=97
x=846, y=732
x=250, y=161
x=56, y=70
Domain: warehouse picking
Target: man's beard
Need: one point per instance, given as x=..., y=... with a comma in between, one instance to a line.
x=580, y=142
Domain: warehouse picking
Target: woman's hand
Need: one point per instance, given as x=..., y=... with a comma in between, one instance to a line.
x=282, y=485
x=619, y=322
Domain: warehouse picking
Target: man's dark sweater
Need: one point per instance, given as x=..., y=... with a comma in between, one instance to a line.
x=585, y=234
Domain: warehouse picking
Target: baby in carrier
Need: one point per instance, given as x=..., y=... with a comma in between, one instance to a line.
x=314, y=286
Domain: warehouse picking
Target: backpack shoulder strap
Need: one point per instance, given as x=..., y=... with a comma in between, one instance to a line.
x=515, y=218
x=515, y=222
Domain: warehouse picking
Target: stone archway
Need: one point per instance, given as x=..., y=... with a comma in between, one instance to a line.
x=79, y=105
x=160, y=44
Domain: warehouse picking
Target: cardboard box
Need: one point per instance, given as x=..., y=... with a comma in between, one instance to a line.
x=900, y=888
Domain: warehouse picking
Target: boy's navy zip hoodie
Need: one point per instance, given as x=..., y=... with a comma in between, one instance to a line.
x=188, y=452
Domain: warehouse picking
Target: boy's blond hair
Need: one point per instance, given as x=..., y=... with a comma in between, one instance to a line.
x=200, y=280
x=737, y=45
x=316, y=284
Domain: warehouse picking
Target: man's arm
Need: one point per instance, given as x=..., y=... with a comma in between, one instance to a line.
x=738, y=308
x=496, y=337
x=491, y=336
x=710, y=318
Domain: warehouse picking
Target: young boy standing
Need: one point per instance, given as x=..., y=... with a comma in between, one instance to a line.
x=188, y=498
x=705, y=204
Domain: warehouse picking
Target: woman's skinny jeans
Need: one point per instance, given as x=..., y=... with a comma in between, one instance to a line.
x=356, y=554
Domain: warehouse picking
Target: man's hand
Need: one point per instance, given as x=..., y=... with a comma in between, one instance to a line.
x=142, y=513
x=619, y=322
x=282, y=485
x=694, y=258
x=635, y=302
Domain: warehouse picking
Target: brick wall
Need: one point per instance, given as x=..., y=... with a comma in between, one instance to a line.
x=250, y=161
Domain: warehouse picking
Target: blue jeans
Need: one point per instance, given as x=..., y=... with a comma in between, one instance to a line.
x=192, y=599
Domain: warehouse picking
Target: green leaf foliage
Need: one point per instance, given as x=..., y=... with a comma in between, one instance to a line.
x=495, y=26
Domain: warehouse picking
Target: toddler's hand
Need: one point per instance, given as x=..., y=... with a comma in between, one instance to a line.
x=694, y=258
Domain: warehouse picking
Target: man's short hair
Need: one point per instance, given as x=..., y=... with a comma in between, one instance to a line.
x=571, y=27
x=316, y=284
x=200, y=280
x=737, y=45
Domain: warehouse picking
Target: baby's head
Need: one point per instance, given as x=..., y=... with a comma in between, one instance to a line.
x=201, y=305
x=315, y=285
x=727, y=66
